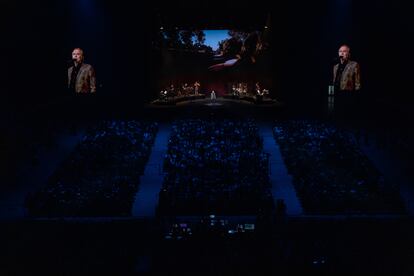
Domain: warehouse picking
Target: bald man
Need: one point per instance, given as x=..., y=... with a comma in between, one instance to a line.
x=81, y=76
x=346, y=74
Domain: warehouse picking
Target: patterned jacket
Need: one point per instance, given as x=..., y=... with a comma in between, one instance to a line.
x=85, y=80
x=351, y=76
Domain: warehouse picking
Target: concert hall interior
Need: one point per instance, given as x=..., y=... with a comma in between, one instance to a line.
x=206, y=137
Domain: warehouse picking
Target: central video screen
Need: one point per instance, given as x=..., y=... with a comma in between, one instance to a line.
x=224, y=61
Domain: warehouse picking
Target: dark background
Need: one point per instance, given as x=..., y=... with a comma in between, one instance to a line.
x=38, y=37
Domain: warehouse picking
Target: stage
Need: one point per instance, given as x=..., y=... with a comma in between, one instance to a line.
x=225, y=101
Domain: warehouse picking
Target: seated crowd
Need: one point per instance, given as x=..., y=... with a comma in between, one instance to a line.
x=101, y=176
x=330, y=172
x=215, y=167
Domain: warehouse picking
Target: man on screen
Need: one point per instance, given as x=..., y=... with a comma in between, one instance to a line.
x=346, y=74
x=347, y=84
x=81, y=76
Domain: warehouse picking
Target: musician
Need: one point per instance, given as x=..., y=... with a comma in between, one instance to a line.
x=196, y=87
x=240, y=88
x=258, y=88
x=185, y=89
x=234, y=90
x=171, y=90
x=259, y=93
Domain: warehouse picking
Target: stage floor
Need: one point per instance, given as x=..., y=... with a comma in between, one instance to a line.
x=219, y=102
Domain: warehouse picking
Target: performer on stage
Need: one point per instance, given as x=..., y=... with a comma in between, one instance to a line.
x=234, y=90
x=196, y=87
x=258, y=88
x=213, y=96
x=185, y=89
x=171, y=90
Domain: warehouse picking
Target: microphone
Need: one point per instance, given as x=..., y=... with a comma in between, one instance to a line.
x=71, y=62
x=336, y=60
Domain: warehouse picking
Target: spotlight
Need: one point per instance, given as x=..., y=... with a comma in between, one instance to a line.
x=161, y=28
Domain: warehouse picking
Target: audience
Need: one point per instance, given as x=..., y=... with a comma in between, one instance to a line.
x=330, y=173
x=101, y=176
x=215, y=167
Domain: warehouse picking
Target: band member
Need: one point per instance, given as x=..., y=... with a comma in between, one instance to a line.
x=257, y=88
x=240, y=88
x=234, y=90
x=185, y=89
x=196, y=87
